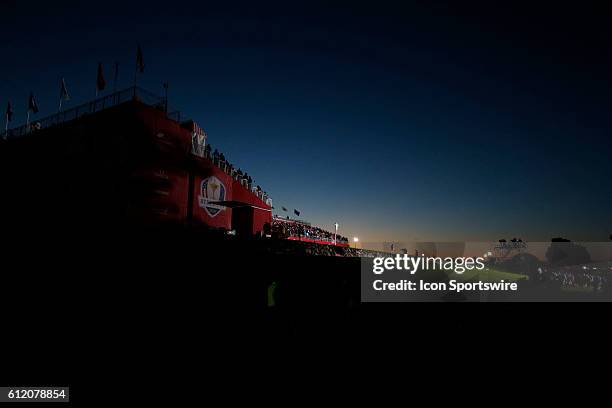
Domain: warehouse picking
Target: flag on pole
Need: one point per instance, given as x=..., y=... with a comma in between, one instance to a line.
x=139, y=60
x=116, y=76
x=9, y=117
x=32, y=105
x=296, y=212
x=166, y=96
x=64, y=95
x=101, y=82
x=9, y=112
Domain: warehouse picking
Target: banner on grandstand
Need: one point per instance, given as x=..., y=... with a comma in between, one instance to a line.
x=198, y=140
x=212, y=190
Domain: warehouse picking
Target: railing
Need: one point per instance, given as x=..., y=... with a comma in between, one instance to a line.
x=116, y=98
x=175, y=116
x=228, y=169
x=303, y=230
x=316, y=238
x=105, y=102
x=287, y=219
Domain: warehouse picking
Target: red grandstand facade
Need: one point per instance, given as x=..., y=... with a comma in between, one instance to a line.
x=192, y=187
x=142, y=163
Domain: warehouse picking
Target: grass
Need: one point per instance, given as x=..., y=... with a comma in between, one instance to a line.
x=487, y=275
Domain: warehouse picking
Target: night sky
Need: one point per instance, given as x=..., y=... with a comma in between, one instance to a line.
x=422, y=122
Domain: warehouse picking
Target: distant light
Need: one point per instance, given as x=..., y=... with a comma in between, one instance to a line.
x=355, y=239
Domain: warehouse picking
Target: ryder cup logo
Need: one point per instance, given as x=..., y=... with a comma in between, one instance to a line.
x=211, y=190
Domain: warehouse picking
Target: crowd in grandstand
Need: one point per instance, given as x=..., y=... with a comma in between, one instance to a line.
x=288, y=247
x=285, y=228
x=580, y=277
x=586, y=277
x=281, y=227
x=244, y=178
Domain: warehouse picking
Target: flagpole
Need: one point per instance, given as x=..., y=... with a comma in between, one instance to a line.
x=63, y=95
x=100, y=81
x=135, y=79
x=166, y=91
x=136, y=75
x=59, y=109
x=116, y=75
x=139, y=66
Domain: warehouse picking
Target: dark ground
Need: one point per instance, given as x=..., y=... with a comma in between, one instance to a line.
x=140, y=309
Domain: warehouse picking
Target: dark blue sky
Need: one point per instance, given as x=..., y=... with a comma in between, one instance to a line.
x=429, y=121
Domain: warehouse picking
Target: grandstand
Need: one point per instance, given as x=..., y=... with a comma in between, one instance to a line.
x=296, y=230
x=122, y=160
x=125, y=160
